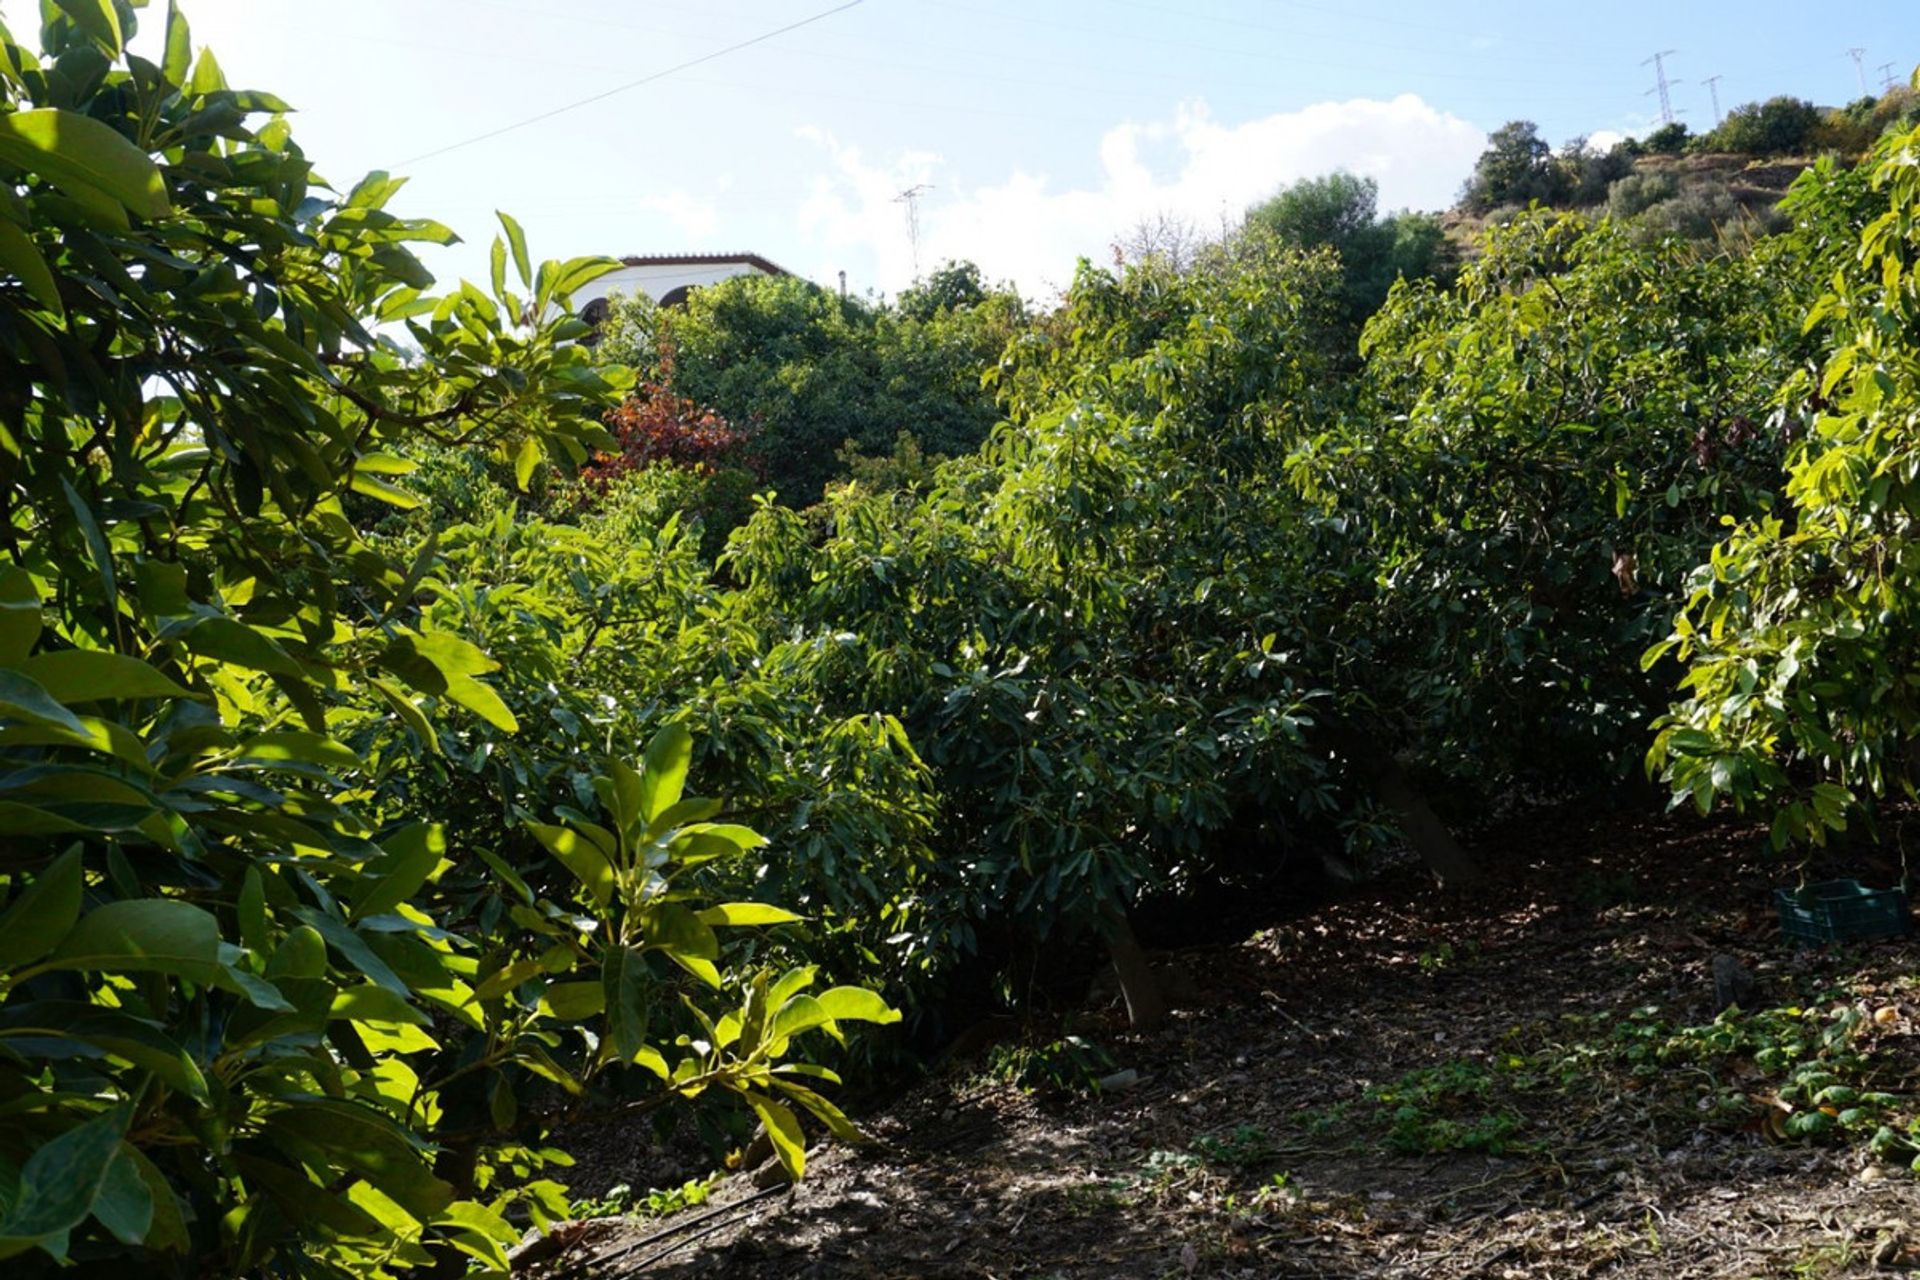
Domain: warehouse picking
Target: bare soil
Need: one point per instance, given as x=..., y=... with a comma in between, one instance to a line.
x=1245, y=1150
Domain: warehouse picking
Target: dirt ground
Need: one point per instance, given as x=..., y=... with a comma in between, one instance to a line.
x=1257, y=1141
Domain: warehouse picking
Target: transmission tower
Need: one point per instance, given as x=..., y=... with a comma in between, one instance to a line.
x=1659, y=64
x=1860, y=69
x=911, y=198
x=1713, y=91
x=1886, y=75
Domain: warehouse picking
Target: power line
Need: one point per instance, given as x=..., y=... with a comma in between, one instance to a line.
x=631, y=84
x=1713, y=90
x=1659, y=65
x=911, y=198
x=1886, y=75
x=1860, y=69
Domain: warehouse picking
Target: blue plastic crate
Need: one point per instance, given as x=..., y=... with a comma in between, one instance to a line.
x=1842, y=911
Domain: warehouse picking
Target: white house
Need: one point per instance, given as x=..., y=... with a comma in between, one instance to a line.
x=666, y=278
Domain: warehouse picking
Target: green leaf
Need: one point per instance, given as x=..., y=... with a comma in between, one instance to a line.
x=368, y=1002
x=44, y=914
x=298, y=747
x=372, y=486
x=61, y=1180
x=84, y=158
x=99, y=20
x=91, y=1028
x=624, y=982
x=856, y=1004
x=301, y=954
x=353, y=948
x=168, y=1232
x=207, y=76
x=665, y=776
x=443, y=664
x=367, y=1142
x=19, y=615
x=572, y=1001
x=94, y=675
x=23, y=258
x=746, y=913
x=413, y=853
x=409, y=714
x=578, y=854
x=518, y=239
x=234, y=642
x=177, y=62
x=789, y=1143
x=124, y=1205
x=525, y=461
x=23, y=699
x=303, y=1201
x=156, y=935
x=828, y=1114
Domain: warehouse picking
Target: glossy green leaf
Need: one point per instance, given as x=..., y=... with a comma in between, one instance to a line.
x=789, y=1142
x=518, y=240
x=177, y=61
x=746, y=913
x=124, y=1205
x=20, y=256
x=62, y=1179
x=580, y=856
x=93, y=675
x=99, y=20
x=156, y=935
x=22, y=698
x=368, y=1143
x=43, y=914
x=20, y=618
x=413, y=853
x=574, y=1001
x=664, y=777
x=83, y=157
x=626, y=992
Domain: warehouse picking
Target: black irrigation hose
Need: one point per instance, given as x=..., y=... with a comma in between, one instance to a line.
x=680, y=1225
x=678, y=1245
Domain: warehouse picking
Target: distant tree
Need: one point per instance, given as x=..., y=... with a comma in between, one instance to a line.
x=952, y=286
x=1668, y=140
x=1636, y=193
x=1341, y=211
x=1162, y=237
x=1778, y=126
x=1590, y=173
x=805, y=370
x=1517, y=167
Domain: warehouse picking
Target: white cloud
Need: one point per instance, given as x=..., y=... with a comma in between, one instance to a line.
x=693, y=217
x=1192, y=167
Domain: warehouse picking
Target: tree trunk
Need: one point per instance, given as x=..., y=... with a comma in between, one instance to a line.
x=1430, y=837
x=1146, y=1004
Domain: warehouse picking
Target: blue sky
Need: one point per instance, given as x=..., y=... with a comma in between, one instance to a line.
x=1044, y=129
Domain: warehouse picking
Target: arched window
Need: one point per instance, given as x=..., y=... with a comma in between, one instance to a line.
x=595, y=312
x=676, y=297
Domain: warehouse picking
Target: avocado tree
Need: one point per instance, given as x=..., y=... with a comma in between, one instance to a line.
x=246, y=1023
x=1539, y=456
x=1798, y=634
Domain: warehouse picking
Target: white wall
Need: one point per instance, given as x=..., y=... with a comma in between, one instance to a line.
x=655, y=282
